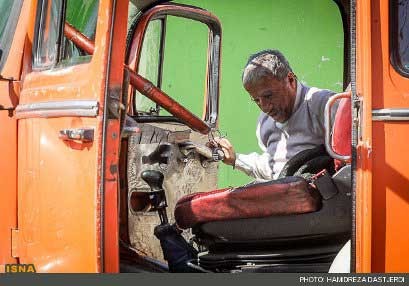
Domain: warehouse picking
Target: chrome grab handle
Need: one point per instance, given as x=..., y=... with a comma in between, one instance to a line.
x=83, y=135
x=328, y=129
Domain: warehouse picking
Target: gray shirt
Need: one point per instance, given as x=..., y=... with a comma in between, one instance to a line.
x=281, y=141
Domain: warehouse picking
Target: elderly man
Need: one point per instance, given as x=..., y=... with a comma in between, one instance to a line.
x=292, y=117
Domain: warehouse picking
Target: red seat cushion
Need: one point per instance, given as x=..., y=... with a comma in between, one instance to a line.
x=341, y=137
x=290, y=195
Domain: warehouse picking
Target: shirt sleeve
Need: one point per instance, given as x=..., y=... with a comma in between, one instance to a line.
x=317, y=101
x=254, y=164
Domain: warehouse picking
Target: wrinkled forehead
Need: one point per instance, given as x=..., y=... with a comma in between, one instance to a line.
x=257, y=70
x=266, y=64
x=264, y=82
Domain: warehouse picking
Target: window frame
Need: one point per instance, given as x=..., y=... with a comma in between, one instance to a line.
x=42, y=12
x=59, y=61
x=395, y=58
x=214, y=49
x=158, y=81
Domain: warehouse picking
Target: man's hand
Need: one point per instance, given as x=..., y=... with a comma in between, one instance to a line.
x=227, y=148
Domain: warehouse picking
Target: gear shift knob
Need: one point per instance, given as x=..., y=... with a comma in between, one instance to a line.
x=158, y=198
x=154, y=179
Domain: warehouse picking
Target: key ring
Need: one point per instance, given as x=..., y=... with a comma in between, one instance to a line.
x=217, y=152
x=214, y=133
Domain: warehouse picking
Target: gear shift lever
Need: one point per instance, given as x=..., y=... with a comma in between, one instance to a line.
x=157, y=195
x=175, y=248
x=154, y=179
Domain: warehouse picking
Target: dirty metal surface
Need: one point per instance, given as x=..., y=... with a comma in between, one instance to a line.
x=181, y=178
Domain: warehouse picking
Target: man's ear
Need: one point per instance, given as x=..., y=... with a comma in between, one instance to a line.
x=292, y=79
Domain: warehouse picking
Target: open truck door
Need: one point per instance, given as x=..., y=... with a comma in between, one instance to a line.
x=68, y=138
x=173, y=127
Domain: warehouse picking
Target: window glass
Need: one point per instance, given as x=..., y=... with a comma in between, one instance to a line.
x=185, y=63
x=183, y=71
x=149, y=65
x=9, y=14
x=83, y=16
x=5, y=11
x=48, y=17
x=52, y=47
x=400, y=35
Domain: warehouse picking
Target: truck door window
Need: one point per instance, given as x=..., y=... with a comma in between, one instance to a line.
x=174, y=58
x=400, y=35
x=184, y=63
x=51, y=47
x=9, y=14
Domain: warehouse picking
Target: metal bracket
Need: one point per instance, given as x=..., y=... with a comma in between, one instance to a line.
x=114, y=105
x=15, y=242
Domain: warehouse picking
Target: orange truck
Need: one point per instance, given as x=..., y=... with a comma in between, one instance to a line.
x=75, y=143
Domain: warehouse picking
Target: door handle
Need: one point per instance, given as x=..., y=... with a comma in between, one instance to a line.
x=83, y=135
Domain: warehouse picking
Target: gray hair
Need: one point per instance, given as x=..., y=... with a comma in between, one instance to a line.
x=265, y=63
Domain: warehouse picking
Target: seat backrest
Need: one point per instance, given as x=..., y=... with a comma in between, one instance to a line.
x=342, y=128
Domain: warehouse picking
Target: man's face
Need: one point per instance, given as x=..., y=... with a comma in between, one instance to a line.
x=274, y=97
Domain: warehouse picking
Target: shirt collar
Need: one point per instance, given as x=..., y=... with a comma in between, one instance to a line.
x=298, y=96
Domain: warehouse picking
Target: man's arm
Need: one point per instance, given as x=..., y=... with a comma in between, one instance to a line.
x=254, y=165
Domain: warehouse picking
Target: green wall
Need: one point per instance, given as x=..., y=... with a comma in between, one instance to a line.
x=308, y=32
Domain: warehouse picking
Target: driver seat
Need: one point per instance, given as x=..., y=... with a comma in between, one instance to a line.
x=284, y=225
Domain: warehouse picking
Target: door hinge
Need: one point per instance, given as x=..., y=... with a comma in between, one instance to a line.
x=357, y=117
x=15, y=243
x=9, y=109
x=3, y=78
x=13, y=94
x=114, y=103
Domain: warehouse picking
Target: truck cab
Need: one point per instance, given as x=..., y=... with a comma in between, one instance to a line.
x=86, y=107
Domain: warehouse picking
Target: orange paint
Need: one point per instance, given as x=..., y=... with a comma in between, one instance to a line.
x=55, y=213
x=363, y=172
x=59, y=181
x=8, y=132
x=382, y=172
